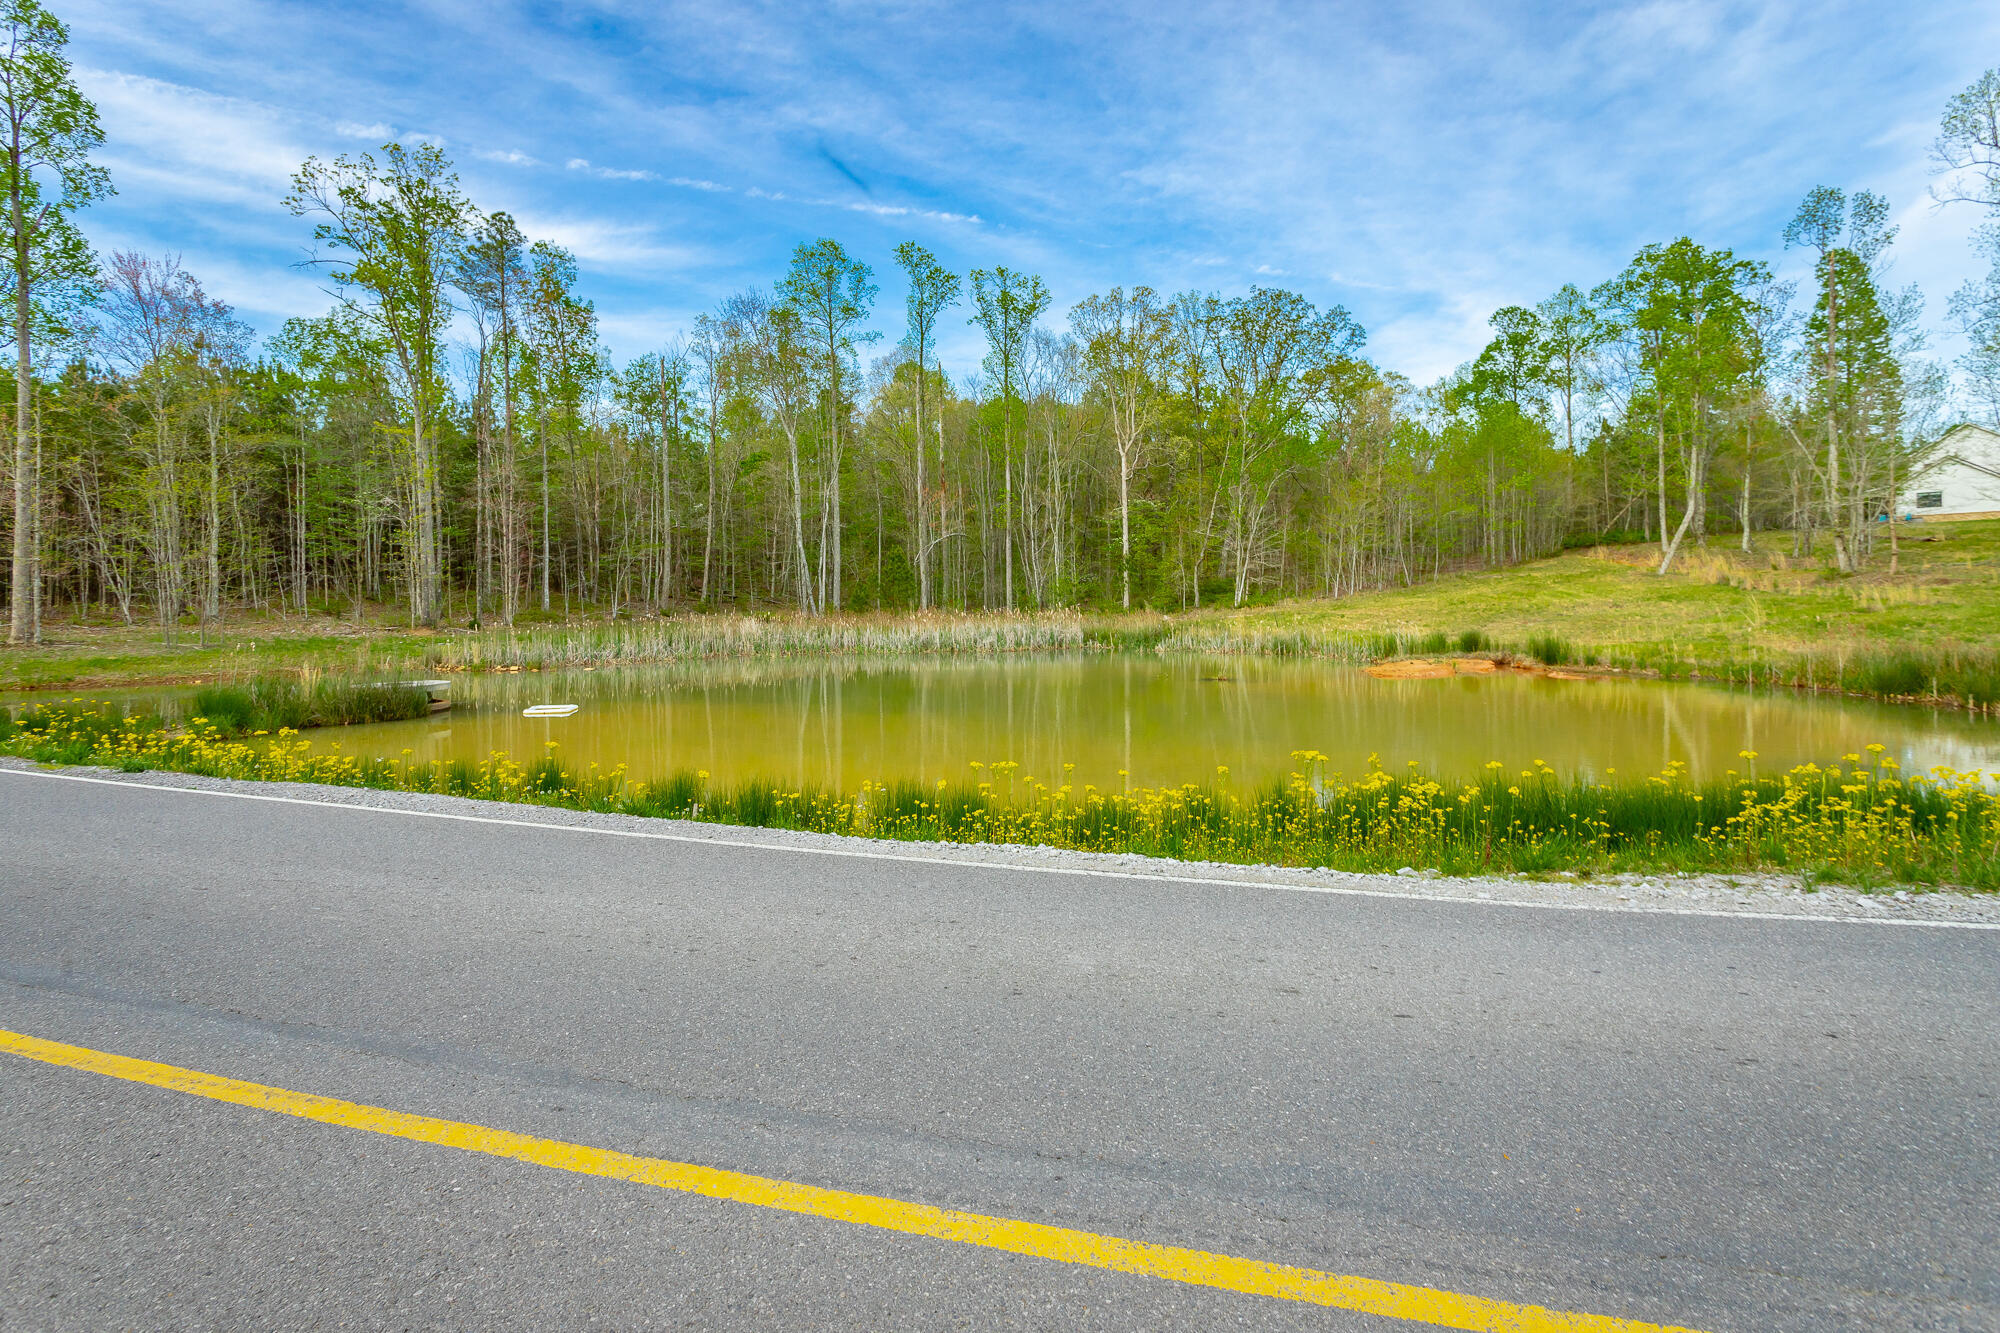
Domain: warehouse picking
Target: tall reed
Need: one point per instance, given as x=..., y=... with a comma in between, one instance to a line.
x=278, y=702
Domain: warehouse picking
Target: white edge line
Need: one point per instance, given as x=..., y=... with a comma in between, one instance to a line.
x=859, y=854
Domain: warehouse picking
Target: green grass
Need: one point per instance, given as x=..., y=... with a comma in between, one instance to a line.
x=1927, y=631
x=1717, y=602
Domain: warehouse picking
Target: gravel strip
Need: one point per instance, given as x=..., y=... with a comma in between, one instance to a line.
x=1745, y=894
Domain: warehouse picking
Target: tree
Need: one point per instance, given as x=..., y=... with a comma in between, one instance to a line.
x=932, y=289
x=492, y=272
x=153, y=321
x=1007, y=304
x=1967, y=154
x=1689, y=308
x=1573, y=331
x=783, y=374
x=51, y=131
x=1849, y=340
x=1514, y=366
x=393, y=231
x=831, y=294
x=1124, y=340
x=656, y=388
x=561, y=333
x=1267, y=341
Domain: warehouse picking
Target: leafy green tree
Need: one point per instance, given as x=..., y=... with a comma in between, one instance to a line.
x=392, y=232
x=1124, y=340
x=492, y=272
x=1267, y=341
x=563, y=367
x=1689, y=308
x=832, y=294
x=1573, y=331
x=51, y=129
x=932, y=290
x=1005, y=307
x=1847, y=335
x=656, y=390
x=1514, y=366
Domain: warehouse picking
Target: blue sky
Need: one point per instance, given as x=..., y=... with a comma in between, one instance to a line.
x=1419, y=163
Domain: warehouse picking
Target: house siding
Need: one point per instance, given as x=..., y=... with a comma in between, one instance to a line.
x=1962, y=482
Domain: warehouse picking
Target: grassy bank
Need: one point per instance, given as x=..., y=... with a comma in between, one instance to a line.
x=1929, y=630
x=1857, y=820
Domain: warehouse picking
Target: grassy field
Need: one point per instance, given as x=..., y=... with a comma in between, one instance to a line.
x=1718, y=603
x=1928, y=629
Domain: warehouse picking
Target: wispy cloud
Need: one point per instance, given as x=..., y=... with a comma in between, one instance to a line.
x=225, y=138
x=609, y=173
x=611, y=244
x=1420, y=164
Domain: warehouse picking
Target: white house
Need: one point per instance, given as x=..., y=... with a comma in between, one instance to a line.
x=1962, y=480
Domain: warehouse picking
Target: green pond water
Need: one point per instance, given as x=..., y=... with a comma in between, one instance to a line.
x=1160, y=720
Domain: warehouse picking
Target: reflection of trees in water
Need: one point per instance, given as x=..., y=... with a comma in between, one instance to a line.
x=1165, y=720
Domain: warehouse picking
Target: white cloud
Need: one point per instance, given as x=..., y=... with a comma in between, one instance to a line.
x=630, y=333
x=202, y=135
x=1421, y=164
x=609, y=173
x=616, y=245
x=898, y=211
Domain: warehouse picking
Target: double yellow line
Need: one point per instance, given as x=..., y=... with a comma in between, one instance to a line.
x=1445, y=1309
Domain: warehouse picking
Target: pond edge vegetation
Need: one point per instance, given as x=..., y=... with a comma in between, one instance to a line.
x=1954, y=675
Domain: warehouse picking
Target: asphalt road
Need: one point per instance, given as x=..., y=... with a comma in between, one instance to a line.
x=1726, y=1124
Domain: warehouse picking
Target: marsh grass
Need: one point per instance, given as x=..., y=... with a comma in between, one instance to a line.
x=694, y=637
x=1857, y=820
x=298, y=701
x=1952, y=674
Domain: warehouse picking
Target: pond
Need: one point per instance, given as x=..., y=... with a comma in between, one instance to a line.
x=1146, y=721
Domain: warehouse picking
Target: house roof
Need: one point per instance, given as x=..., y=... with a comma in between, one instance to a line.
x=1942, y=459
x=1982, y=438
x=1967, y=444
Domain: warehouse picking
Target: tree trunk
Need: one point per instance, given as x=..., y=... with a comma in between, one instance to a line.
x=1697, y=466
x=1125, y=529
x=922, y=546
x=1007, y=468
x=1660, y=446
x=23, y=625
x=542, y=442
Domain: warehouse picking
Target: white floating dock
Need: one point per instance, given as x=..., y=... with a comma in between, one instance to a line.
x=548, y=710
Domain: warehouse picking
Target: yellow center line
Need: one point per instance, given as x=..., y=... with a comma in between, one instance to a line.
x=1429, y=1305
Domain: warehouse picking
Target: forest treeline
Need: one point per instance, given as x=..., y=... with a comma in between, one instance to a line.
x=454, y=437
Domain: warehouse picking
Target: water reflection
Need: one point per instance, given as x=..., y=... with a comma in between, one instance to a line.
x=1150, y=721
